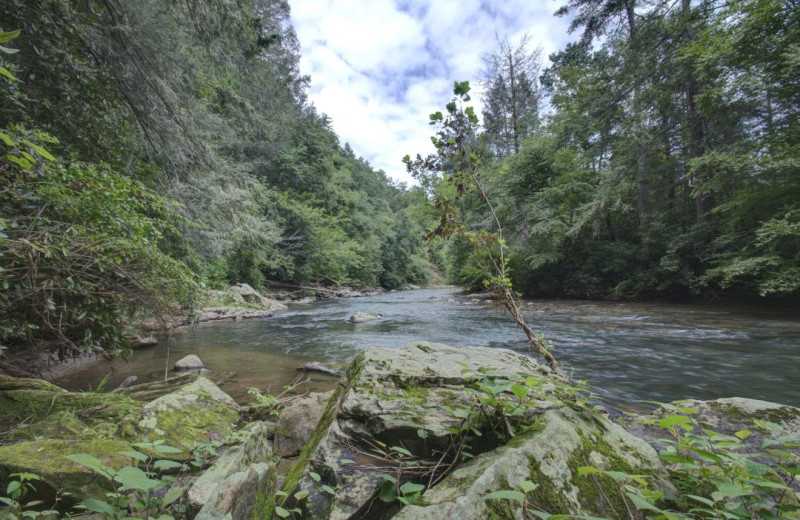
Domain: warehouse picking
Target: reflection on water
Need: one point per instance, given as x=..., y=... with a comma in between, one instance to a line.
x=627, y=352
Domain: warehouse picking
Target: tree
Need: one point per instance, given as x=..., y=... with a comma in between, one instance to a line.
x=458, y=160
x=511, y=94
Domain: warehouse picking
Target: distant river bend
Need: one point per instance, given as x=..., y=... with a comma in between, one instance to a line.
x=627, y=352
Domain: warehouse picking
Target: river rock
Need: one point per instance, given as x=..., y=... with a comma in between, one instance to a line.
x=138, y=342
x=319, y=368
x=198, y=412
x=250, y=295
x=212, y=314
x=363, y=317
x=209, y=491
x=395, y=397
x=237, y=496
x=727, y=416
x=60, y=423
x=297, y=422
x=565, y=440
x=190, y=362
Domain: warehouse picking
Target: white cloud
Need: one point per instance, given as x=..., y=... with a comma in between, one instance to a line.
x=379, y=67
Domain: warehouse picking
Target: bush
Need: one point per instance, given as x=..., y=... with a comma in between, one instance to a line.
x=79, y=249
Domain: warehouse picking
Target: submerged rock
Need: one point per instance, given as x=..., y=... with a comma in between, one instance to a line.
x=316, y=366
x=363, y=317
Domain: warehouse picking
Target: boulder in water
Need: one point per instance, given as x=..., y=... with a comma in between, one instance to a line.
x=316, y=366
x=190, y=362
x=363, y=317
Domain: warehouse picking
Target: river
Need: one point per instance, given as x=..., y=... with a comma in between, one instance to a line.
x=627, y=352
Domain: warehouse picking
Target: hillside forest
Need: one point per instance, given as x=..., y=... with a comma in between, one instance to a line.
x=154, y=148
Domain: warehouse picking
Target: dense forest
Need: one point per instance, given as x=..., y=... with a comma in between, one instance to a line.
x=152, y=148
x=655, y=158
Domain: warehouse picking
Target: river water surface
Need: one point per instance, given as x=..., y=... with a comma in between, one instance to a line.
x=628, y=353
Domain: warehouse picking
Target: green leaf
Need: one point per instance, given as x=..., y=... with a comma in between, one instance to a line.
x=673, y=420
x=166, y=465
x=314, y=476
x=163, y=449
x=41, y=151
x=8, y=50
x=703, y=500
x=411, y=487
x=728, y=490
x=300, y=495
x=98, y=506
x=91, y=462
x=22, y=163
x=137, y=455
x=388, y=492
x=743, y=434
x=328, y=489
x=135, y=479
x=4, y=72
x=401, y=450
x=641, y=503
x=588, y=470
x=527, y=486
x=8, y=36
x=13, y=486
x=281, y=512
x=173, y=494
x=505, y=494
x=7, y=139
x=520, y=391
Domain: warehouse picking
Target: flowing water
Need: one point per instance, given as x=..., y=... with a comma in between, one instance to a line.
x=627, y=352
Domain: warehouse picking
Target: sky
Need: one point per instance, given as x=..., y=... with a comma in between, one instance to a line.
x=378, y=68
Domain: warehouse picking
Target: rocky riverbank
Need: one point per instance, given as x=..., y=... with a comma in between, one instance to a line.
x=422, y=432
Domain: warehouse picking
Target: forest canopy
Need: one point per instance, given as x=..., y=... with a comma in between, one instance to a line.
x=151, y=147
x=664, y=167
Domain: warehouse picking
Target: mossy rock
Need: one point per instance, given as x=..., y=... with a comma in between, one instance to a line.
x=194, y=414
x=27, y=401
x=727, y=416
x=549, y=456
x=102, y=425
x=47, y=459
x=389, y=397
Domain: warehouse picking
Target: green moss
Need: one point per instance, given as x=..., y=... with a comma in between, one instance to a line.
x=547, y=496
x=501, y=509
x=47, y=458
x=600, y=494
x=200, y=423
x=266, y=504
x=59, y=425
x=425, y=348
x=734, y=414
x=41, y=400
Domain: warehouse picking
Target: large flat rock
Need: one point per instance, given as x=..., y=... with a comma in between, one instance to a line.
x=402, y=413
